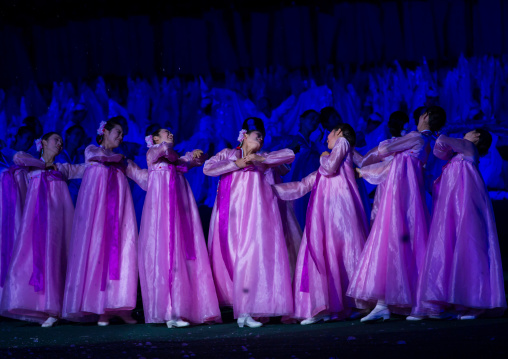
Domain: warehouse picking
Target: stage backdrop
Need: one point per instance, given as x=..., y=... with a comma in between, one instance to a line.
x=234, y=38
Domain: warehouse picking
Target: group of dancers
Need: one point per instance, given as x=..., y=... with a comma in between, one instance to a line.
x=83, y=264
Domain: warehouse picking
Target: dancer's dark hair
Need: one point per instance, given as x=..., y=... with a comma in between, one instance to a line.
x=153, y=128
x=348, y=132
x=437, y=117
x=396, y=123
x=484, y=142
x=417, y=113
x=110, y=124
x=254, y=124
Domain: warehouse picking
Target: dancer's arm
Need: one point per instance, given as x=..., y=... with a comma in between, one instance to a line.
x=72, y=171
x=400, y=144
x=370, y=157
x=96, y=154
x=446, y=147
x=223, y=162
x=294, y=190
x=193, y=159
x=162, y=150
x=376, y=173
x=137, y=174
x=330, y=163
x=280, y=157
x=27, y=160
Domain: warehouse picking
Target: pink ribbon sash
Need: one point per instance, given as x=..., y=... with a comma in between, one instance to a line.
x=40, y=223
x=309, y=250
x=176, y=202
x=223, y=204
x=111, y=234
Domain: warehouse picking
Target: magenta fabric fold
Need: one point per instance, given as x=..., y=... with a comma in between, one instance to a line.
x=111, y=261
x=172, y=190
x=40, y=221
x=8, y=201
x=223, y=204
x=304, y=284
x=190, y=251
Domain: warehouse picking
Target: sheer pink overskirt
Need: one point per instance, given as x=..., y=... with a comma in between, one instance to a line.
x=84, y=299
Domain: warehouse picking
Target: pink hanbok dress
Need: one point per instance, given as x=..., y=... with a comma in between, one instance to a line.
x=395, y=250
x=335, y=232
x=174, y=268
x=463, y=262
x=102, y=275
x=290, y=225
x=35, y=285
x=13, y=187
x=246, y=243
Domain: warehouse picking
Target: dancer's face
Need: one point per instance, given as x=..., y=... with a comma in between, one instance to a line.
x=254, y=140
x=113, y=138
x=472, y=136
x=332, y=138
x=164, y=136
x=54, y=144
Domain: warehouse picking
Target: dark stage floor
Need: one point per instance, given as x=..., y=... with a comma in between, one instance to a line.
x=481, y=338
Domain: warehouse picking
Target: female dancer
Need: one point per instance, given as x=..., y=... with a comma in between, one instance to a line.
x=174, y=269
x=335, y=232
x=13, y=187
x=246, y=242
x=35, y=285
x=396, y=126
x=462, y=268
x=393, y=256
x=102, y=272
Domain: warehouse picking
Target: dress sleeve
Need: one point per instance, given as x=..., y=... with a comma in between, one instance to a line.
x=369, y=158
x=294, y=190
x=277, y=158
x=72, y=171
x=137, y=174
x=446, y=147
x=330, y=164
x=96, y=154
x=399, y=144
x=189, y=161
x=376, y=173
x=162, y=150
x=27, y=160
x=219, y=164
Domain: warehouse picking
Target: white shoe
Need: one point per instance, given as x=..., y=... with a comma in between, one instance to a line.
x=315, y=319
x=414, y=318
x=103, y=320
x=49, y=322
x=472, y=314
x=177, y=323
x=376, y=314
x=248, y=321
x=182, y=323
